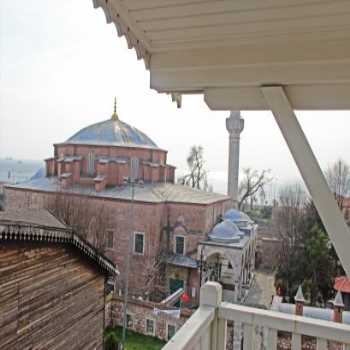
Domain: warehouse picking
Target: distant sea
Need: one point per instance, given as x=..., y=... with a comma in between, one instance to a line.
x=18, y=170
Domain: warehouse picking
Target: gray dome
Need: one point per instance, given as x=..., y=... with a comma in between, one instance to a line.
x=226, y=232
x=238, y=217
x=112, y=132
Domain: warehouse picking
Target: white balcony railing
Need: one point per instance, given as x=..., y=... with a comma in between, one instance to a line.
x=207, y=327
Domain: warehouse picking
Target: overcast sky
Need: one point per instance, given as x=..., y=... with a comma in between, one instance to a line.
x=61, y=66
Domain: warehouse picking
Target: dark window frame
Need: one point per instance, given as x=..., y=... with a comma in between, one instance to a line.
x=183, y=245
x=152, y=321
x=109, y=239
x=136, y=249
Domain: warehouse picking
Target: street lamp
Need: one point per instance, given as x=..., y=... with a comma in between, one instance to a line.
x=134, y=171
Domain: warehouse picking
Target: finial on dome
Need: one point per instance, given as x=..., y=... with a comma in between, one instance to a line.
x=115, y=115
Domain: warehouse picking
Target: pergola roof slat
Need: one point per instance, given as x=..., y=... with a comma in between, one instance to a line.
x=194, y=45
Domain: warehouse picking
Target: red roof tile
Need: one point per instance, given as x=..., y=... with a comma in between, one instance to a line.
x=342, y=284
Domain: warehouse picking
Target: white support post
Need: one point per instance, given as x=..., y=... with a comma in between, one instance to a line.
x=311, y=172
x=211, y=295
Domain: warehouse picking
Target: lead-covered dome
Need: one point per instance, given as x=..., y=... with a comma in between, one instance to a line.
x=226, y=232
x=112, y=132
x=241, y=219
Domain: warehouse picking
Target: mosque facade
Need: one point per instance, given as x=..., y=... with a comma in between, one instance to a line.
x=175, y=236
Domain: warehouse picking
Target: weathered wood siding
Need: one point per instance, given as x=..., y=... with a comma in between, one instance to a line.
x=50, y=298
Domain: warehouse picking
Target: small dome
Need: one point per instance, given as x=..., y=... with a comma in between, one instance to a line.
x=112, y=132
x=40, y=173
x=238, y=217
x=226, y=232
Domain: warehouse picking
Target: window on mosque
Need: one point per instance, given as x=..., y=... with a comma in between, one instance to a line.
x=180, y=245
x=139, y=242
x=129, y=321
x=150, y=329
x=171, y=330
x=91, y=163
x=109, y=239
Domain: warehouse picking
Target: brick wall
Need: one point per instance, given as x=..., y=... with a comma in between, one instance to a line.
x=149, y=218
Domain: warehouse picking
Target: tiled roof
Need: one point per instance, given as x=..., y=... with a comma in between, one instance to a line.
x=182, y=260
x=35, y=225
x=154, y=193
x=31, y=216
x=342, y=284
x=112, y=132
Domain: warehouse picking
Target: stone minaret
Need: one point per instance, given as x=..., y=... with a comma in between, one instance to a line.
x=234, y=126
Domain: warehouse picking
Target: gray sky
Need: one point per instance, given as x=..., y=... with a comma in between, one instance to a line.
x=61, y=66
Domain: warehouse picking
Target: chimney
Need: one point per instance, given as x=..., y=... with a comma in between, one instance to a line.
x=299, y=302
x=338, y=308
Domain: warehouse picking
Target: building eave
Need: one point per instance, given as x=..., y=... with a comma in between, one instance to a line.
x=19, y=231
x=229, y=50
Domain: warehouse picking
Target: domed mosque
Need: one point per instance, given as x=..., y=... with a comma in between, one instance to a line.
x=228, y=256
x=99, y=154
x=112, y=132
x=94, y=168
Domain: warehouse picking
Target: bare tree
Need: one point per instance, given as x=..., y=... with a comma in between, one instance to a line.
x=338, y=178
x=253, y=184
x=287, y=221
x=307, y=256
x=292, y=199
x=197, y=177
x=88, y=221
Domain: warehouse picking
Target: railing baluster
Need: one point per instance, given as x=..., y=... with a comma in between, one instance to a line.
x=296, y=341
x=198, y=345
x=206, y=329
x=205, y=341
x=272, y=339
x=322, y=344
x=222, y=334
x=249, y=337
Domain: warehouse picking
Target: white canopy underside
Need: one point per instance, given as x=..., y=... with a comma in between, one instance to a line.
x=228, y=49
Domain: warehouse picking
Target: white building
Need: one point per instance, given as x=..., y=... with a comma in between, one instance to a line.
x=228, y=256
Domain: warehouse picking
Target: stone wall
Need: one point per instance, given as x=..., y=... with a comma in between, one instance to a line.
x=191, y=220
x=268, y=251
x=140, y=311
x=72, y=161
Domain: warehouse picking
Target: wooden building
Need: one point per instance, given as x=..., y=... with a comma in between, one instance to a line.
x=52, y=285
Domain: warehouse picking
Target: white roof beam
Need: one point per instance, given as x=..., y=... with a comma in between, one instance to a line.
x=260, y=53
x=302, y=97
x=251, y=75
x=155, y=9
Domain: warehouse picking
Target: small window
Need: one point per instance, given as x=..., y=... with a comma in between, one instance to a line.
x=91, y=164
x=129, y=321
x=139, y=242
x=180, y=245
x=347, y=214
x=109, y=239
x=193, y=292
x=150, y=329
x=171, y=330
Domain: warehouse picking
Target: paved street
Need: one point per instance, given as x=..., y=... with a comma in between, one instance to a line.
x=262, y=290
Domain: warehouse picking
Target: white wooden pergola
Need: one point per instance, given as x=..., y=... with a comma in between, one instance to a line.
x=277, y=55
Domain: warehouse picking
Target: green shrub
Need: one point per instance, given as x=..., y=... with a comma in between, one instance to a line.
x=111, y=340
